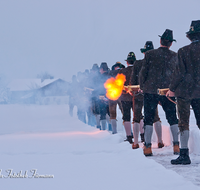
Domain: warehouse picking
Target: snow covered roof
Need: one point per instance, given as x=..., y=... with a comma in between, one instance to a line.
x=29, y=84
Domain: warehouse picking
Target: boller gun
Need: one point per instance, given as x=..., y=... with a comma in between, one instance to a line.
x=131, y=89
x=163, y=91
x=115, y=87
x=88, y=89
x=102, y=97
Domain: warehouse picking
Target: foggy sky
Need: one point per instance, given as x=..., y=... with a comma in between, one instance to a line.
x=62, y=37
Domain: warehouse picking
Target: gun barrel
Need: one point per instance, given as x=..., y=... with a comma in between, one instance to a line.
x=132, y=87
x=163, y=91
x=90, y=89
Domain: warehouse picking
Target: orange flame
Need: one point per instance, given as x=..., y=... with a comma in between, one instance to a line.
x=114, y=86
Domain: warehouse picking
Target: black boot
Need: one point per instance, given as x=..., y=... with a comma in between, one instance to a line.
x=183, y=158
x=129, y=139
x=142, y=137
x=99, y=127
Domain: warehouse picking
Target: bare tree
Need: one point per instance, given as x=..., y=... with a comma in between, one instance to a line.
x=45, y=75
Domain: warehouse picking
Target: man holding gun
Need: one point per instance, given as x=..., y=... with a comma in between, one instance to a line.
x=156, y=72
x=185, y=85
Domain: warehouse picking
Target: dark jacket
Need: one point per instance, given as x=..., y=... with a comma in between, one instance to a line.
x=113, y=73
x=127, y=72
x=136, y=70
x=186, y=79
x=135, y=76
x=157, y=70
x=99, y=89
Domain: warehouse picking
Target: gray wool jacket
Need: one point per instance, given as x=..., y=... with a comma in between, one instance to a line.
x=186, y=78
x=157, y=69
x=127, y=72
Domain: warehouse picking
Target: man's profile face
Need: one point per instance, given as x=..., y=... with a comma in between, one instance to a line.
x=101, y=71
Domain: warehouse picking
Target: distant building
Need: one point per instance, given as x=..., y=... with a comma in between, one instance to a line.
x=36, y=91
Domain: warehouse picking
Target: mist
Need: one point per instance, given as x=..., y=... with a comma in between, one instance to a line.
x=63, y=37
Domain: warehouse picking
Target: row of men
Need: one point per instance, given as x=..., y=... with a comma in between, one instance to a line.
x=161, y=68
x=87, y=87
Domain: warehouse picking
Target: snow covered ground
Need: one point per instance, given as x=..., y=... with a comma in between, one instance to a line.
x=42, y=147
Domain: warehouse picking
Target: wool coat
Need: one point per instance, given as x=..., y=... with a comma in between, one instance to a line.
x=135, y=76
x=136, y=70
x=157, y=69
x=186, y=78
x=127, y=72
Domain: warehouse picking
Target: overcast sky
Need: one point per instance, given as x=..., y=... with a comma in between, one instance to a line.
x=62, y=37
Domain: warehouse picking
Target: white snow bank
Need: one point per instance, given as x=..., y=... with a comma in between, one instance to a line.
x=79, y=157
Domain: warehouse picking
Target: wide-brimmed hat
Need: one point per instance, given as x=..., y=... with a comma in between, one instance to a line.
x=168, y=35
x=194, y=27
x=131, y=57
x=118, y=64
x=148, y=46
x=104, y=66
x=95, y=67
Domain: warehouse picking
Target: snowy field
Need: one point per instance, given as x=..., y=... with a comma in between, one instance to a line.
x=42, y=147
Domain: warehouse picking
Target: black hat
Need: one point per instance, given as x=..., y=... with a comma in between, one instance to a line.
x=117, y=64
x=131, y=57
x=168, y=35
x=87, y=71
x=148, y=46
x=104, y=66
x=95, y=67
x=194, y=27
x=121, y=66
